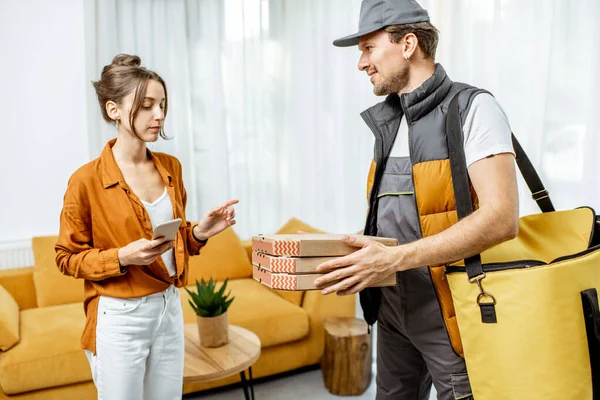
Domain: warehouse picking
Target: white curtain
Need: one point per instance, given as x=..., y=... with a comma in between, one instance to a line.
x=540, y=59
x=157, y=32
x=265, y=109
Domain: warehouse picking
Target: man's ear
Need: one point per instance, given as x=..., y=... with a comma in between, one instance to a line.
x=113, y=110
x=410, y=45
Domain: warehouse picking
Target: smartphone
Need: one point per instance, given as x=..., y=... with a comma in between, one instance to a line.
x=167, y=229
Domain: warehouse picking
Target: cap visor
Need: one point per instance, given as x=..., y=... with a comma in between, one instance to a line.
x=347, y=41
x=352, y=40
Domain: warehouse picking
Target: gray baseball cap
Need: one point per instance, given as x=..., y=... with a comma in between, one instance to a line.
x=377, y=14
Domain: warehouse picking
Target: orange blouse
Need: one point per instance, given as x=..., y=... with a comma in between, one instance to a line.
x=101, y=214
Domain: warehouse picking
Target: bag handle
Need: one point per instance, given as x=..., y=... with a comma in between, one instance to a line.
x=591, y=314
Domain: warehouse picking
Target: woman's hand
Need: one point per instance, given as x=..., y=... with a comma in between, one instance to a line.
x=143, y=251
x=215, y=221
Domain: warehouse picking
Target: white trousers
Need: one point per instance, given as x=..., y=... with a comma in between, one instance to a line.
x=139, y=348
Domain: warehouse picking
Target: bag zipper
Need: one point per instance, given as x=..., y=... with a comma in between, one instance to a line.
x=450, y=269
x=495, y=267
x=576, y=255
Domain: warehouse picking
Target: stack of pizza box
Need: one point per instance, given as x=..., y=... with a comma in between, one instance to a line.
x=289, y=262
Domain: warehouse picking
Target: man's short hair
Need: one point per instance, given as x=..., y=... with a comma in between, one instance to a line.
x=426, y=34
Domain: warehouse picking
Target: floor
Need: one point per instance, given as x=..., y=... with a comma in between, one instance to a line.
x=306, y=384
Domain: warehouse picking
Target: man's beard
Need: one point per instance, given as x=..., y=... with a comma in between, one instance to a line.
x=393, y=84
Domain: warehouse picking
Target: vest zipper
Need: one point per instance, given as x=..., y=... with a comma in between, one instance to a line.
x=378, y=168
x=373, y=303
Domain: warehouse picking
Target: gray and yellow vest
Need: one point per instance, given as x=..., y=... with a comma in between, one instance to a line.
x=413, y=197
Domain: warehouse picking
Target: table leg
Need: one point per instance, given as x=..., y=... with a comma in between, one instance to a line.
x=251, y=382
x=245, y=385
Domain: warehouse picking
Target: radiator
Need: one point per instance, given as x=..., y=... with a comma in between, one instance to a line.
x=16, y=254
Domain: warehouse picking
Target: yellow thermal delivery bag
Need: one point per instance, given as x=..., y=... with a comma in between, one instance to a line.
x=527, y=309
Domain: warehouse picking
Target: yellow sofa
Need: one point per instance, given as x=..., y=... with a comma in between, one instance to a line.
x=41, y=320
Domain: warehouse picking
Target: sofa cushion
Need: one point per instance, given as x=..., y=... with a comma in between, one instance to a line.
x=293, y=226
x=51, y=286
x=222, y=257
x=9, y=320
x=259, y=309
x=19, y=283
x=48, y=353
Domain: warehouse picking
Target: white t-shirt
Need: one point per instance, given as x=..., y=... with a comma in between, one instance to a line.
x=486, y=131
x=159, y=211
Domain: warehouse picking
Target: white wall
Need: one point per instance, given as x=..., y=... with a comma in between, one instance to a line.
x=43, y=134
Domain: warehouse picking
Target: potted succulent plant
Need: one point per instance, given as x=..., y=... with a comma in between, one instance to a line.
x=211, y=307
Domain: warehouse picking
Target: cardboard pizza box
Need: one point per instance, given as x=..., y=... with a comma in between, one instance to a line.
x=300, y=281
x=288, y=265
x=309, y=245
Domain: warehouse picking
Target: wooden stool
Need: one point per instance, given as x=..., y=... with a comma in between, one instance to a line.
x=347, y=359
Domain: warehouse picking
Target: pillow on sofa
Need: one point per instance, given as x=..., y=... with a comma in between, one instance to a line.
x=9, y=320
x=292, y=227
x=51, y=286
x=222, y=257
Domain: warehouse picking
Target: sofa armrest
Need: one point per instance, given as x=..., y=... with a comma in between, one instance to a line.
x=19, y=283
x=247, y=245
x=320, y=307
x=9, y=320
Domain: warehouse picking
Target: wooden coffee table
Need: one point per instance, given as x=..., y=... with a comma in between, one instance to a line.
x=209, y=364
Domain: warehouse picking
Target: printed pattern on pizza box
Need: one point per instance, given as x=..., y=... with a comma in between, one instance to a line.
x=300, y=282
x=309, y=245
x=289, y=265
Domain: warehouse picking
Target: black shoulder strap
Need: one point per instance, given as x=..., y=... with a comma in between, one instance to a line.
x=460, y=177
x=538, y=192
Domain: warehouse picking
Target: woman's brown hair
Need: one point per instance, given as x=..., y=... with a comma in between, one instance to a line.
x=124, y=75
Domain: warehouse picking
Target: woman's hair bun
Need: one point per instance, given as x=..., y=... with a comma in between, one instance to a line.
x=126, y=60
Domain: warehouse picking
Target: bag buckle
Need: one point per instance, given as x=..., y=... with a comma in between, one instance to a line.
x=482, y=293
x=488, y=309
x=542, y=194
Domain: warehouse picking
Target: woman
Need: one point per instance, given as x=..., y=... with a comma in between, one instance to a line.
x=134, y=330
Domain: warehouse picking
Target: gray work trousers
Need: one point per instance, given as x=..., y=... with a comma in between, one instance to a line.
x=413, y=348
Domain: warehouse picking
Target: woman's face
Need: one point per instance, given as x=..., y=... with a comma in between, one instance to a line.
x=150, y=117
